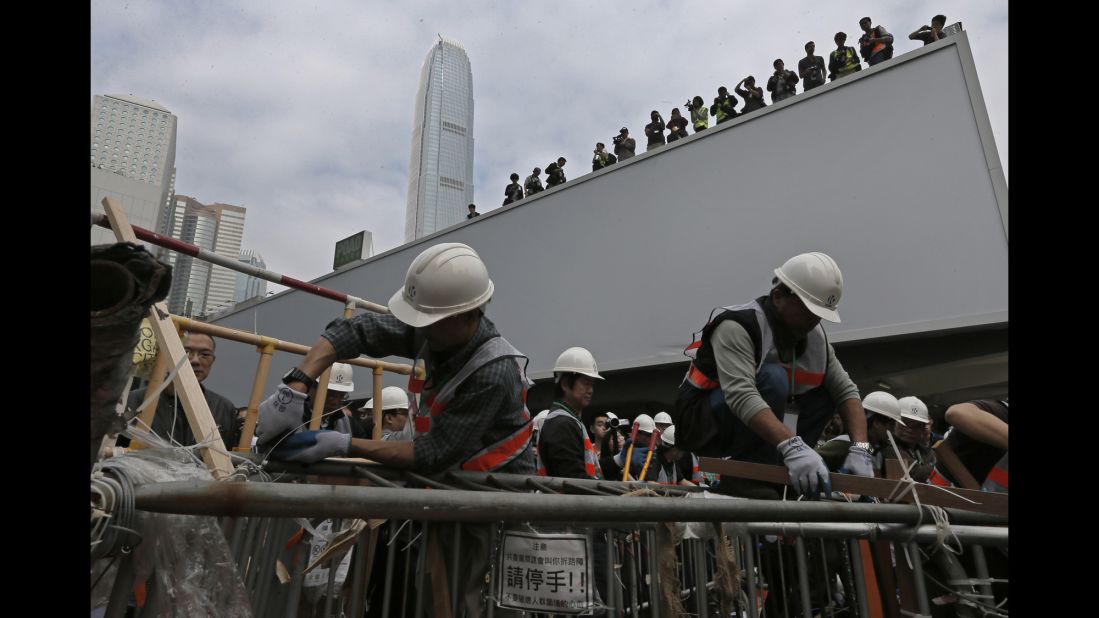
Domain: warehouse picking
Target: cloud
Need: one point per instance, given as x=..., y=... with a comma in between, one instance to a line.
x=302, y=113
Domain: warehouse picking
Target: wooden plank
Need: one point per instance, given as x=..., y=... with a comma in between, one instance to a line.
x=195, y=407
x=983, y=501
x=954, y=465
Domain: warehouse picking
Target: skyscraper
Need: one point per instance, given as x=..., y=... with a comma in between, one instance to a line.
x=247, y=285
x=440, y=173
x=199, y=287
x=133, y=155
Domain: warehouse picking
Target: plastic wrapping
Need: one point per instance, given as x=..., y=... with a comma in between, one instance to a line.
x=188, y=555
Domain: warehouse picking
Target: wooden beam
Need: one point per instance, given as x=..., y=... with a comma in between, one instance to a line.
x=186, y=384
x=986, y=502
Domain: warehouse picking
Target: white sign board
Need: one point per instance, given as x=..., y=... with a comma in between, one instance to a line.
x=549, y=573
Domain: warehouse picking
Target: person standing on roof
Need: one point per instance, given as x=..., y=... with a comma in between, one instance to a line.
x=472, y=211
x=556, y=173
x=601, y=158
x=811, y=68
x=751, y=93
x=533, y=184
x=932, y=33
x=677, y=126
x=564, y=447
x=654, y=131
x=624, y=145
x=783, y=83
x=875, y=44
x=764, y=382
x=883, y=415
x=843, y=61
x=699, y=115
x=514, y=191
x=724, y=107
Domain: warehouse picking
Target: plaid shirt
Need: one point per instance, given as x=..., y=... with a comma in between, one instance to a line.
x=484, y=409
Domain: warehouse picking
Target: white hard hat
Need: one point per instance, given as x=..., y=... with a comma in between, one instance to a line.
x=913, y=408
x=445, y=280
x=817, y=281
x=882, y=403
x=576, y=360
x=663, y=417
x=341, y=378
x=539, y=419
x=393, y=398
x=668, y=436
x=645, y=423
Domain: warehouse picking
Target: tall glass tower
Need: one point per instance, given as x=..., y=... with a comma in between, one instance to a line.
x=440, y=173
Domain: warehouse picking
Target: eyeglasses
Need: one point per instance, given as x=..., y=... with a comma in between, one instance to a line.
x=203, y=354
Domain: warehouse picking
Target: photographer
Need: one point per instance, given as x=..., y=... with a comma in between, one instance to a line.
x=624, y=145
x=677, y=126
x=932, y=33
x=811, y=68
x=655, y=131
x=752, y=94
x=602, y=158
x=699, y=114
x=724, y=107
x=533, y=184
x=782, y=85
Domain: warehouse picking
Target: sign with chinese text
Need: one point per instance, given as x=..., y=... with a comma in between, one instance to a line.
x=549, y=573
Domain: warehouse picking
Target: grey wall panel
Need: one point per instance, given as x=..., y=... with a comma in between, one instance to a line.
x=885, y=171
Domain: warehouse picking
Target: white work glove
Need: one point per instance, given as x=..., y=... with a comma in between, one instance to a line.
x=278, y=414
x=313, y=446
x=858, y=462
x=807, y=470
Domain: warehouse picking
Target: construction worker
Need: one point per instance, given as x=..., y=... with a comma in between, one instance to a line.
x=555, y=173
x=724, y=107
x=468, y=365
x=699, y=114
x=564, y=447
x=978, y=436
x=844, y=60
x=914, y=438
x=875, y=44
x=469, y=389
x=533, y=184
x=336, y=414
x=764, y=382
x=638, y=451
x=883, y=414
x=395, y=406
x=677, y=466
x=663, y=420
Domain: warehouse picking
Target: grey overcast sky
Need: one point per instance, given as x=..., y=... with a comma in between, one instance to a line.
x=302, y=111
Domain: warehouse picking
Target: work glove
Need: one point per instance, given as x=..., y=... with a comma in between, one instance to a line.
x=279, y=414
x=313, y=446
x=858, y=462
x=808, y=473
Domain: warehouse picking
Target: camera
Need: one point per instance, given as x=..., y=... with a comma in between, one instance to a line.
x=688, y=105
x=617, y=139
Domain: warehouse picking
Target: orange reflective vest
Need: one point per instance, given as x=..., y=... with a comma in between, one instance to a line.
x=591, y=460
x=429, y=404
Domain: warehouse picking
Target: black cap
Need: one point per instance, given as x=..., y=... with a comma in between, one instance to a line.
x=623, y=130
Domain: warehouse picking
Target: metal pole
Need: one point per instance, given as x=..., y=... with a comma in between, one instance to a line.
x=766, y=586
x=390, y=557
x=784, y=590
x=981, y=565
x=332, y=564
x=654, y=574
x=803, y=577
x=921, y=586
x=454, y=569
x=408, y=566
x=337, y=501
x=297, y=566
x=612, y=607
x=750, y=569
x=700, y=577
x=827, y=609
x=245, y=561
x=631, y=566
x=420, y=571
x=359, y=571
x=859, y=577
x=257, y=551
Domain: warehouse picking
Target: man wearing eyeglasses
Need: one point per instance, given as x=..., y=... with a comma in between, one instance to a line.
x=170, y=421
